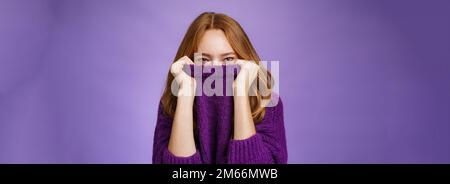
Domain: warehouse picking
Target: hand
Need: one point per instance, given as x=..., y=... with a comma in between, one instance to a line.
x=182, y=142
x=186, y=83
x=247, y=74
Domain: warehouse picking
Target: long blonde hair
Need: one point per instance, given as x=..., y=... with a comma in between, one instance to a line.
x=240, y=43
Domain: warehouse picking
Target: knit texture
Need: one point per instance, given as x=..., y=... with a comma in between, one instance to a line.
x=214, y=135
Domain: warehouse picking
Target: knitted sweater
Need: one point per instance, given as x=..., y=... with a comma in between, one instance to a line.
x=214, y=135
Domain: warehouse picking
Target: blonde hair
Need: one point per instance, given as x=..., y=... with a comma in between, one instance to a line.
x=240, y=43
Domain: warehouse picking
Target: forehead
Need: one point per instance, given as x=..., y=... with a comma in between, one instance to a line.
x=214, y=42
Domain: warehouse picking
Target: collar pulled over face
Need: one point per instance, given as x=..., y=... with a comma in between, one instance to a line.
x=213, y=80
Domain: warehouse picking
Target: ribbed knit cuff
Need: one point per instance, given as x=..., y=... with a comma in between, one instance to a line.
x=248, y=151
x=169, y=158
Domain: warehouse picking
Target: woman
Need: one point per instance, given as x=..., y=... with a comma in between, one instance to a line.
x=219, y=129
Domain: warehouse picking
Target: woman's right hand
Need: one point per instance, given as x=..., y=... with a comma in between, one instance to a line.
x=186, y=83
x=182, y=142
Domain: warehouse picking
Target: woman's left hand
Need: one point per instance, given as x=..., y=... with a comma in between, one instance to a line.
x=247, y=74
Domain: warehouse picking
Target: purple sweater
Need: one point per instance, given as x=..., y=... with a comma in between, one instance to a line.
x=214, y=140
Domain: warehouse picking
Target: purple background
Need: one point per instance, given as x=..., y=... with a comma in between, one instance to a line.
x=361, y=81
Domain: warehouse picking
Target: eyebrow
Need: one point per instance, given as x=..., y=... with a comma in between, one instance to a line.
x=228, y=53
x=224, y=54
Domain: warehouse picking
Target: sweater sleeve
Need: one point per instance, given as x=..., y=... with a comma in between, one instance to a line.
x=267, y=146
x=161, y=153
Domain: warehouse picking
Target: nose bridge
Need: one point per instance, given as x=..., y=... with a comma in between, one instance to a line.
x=216, y=61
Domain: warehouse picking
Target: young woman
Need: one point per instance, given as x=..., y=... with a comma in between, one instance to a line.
x=235, y=129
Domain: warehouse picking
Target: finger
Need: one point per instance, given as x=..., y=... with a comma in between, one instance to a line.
x=177, y=66
x=175, y=69
x=186, y=60
x=240, y=62
x=254, y=65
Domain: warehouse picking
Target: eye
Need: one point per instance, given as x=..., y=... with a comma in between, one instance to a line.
x=229, y=59
x=204, y=59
